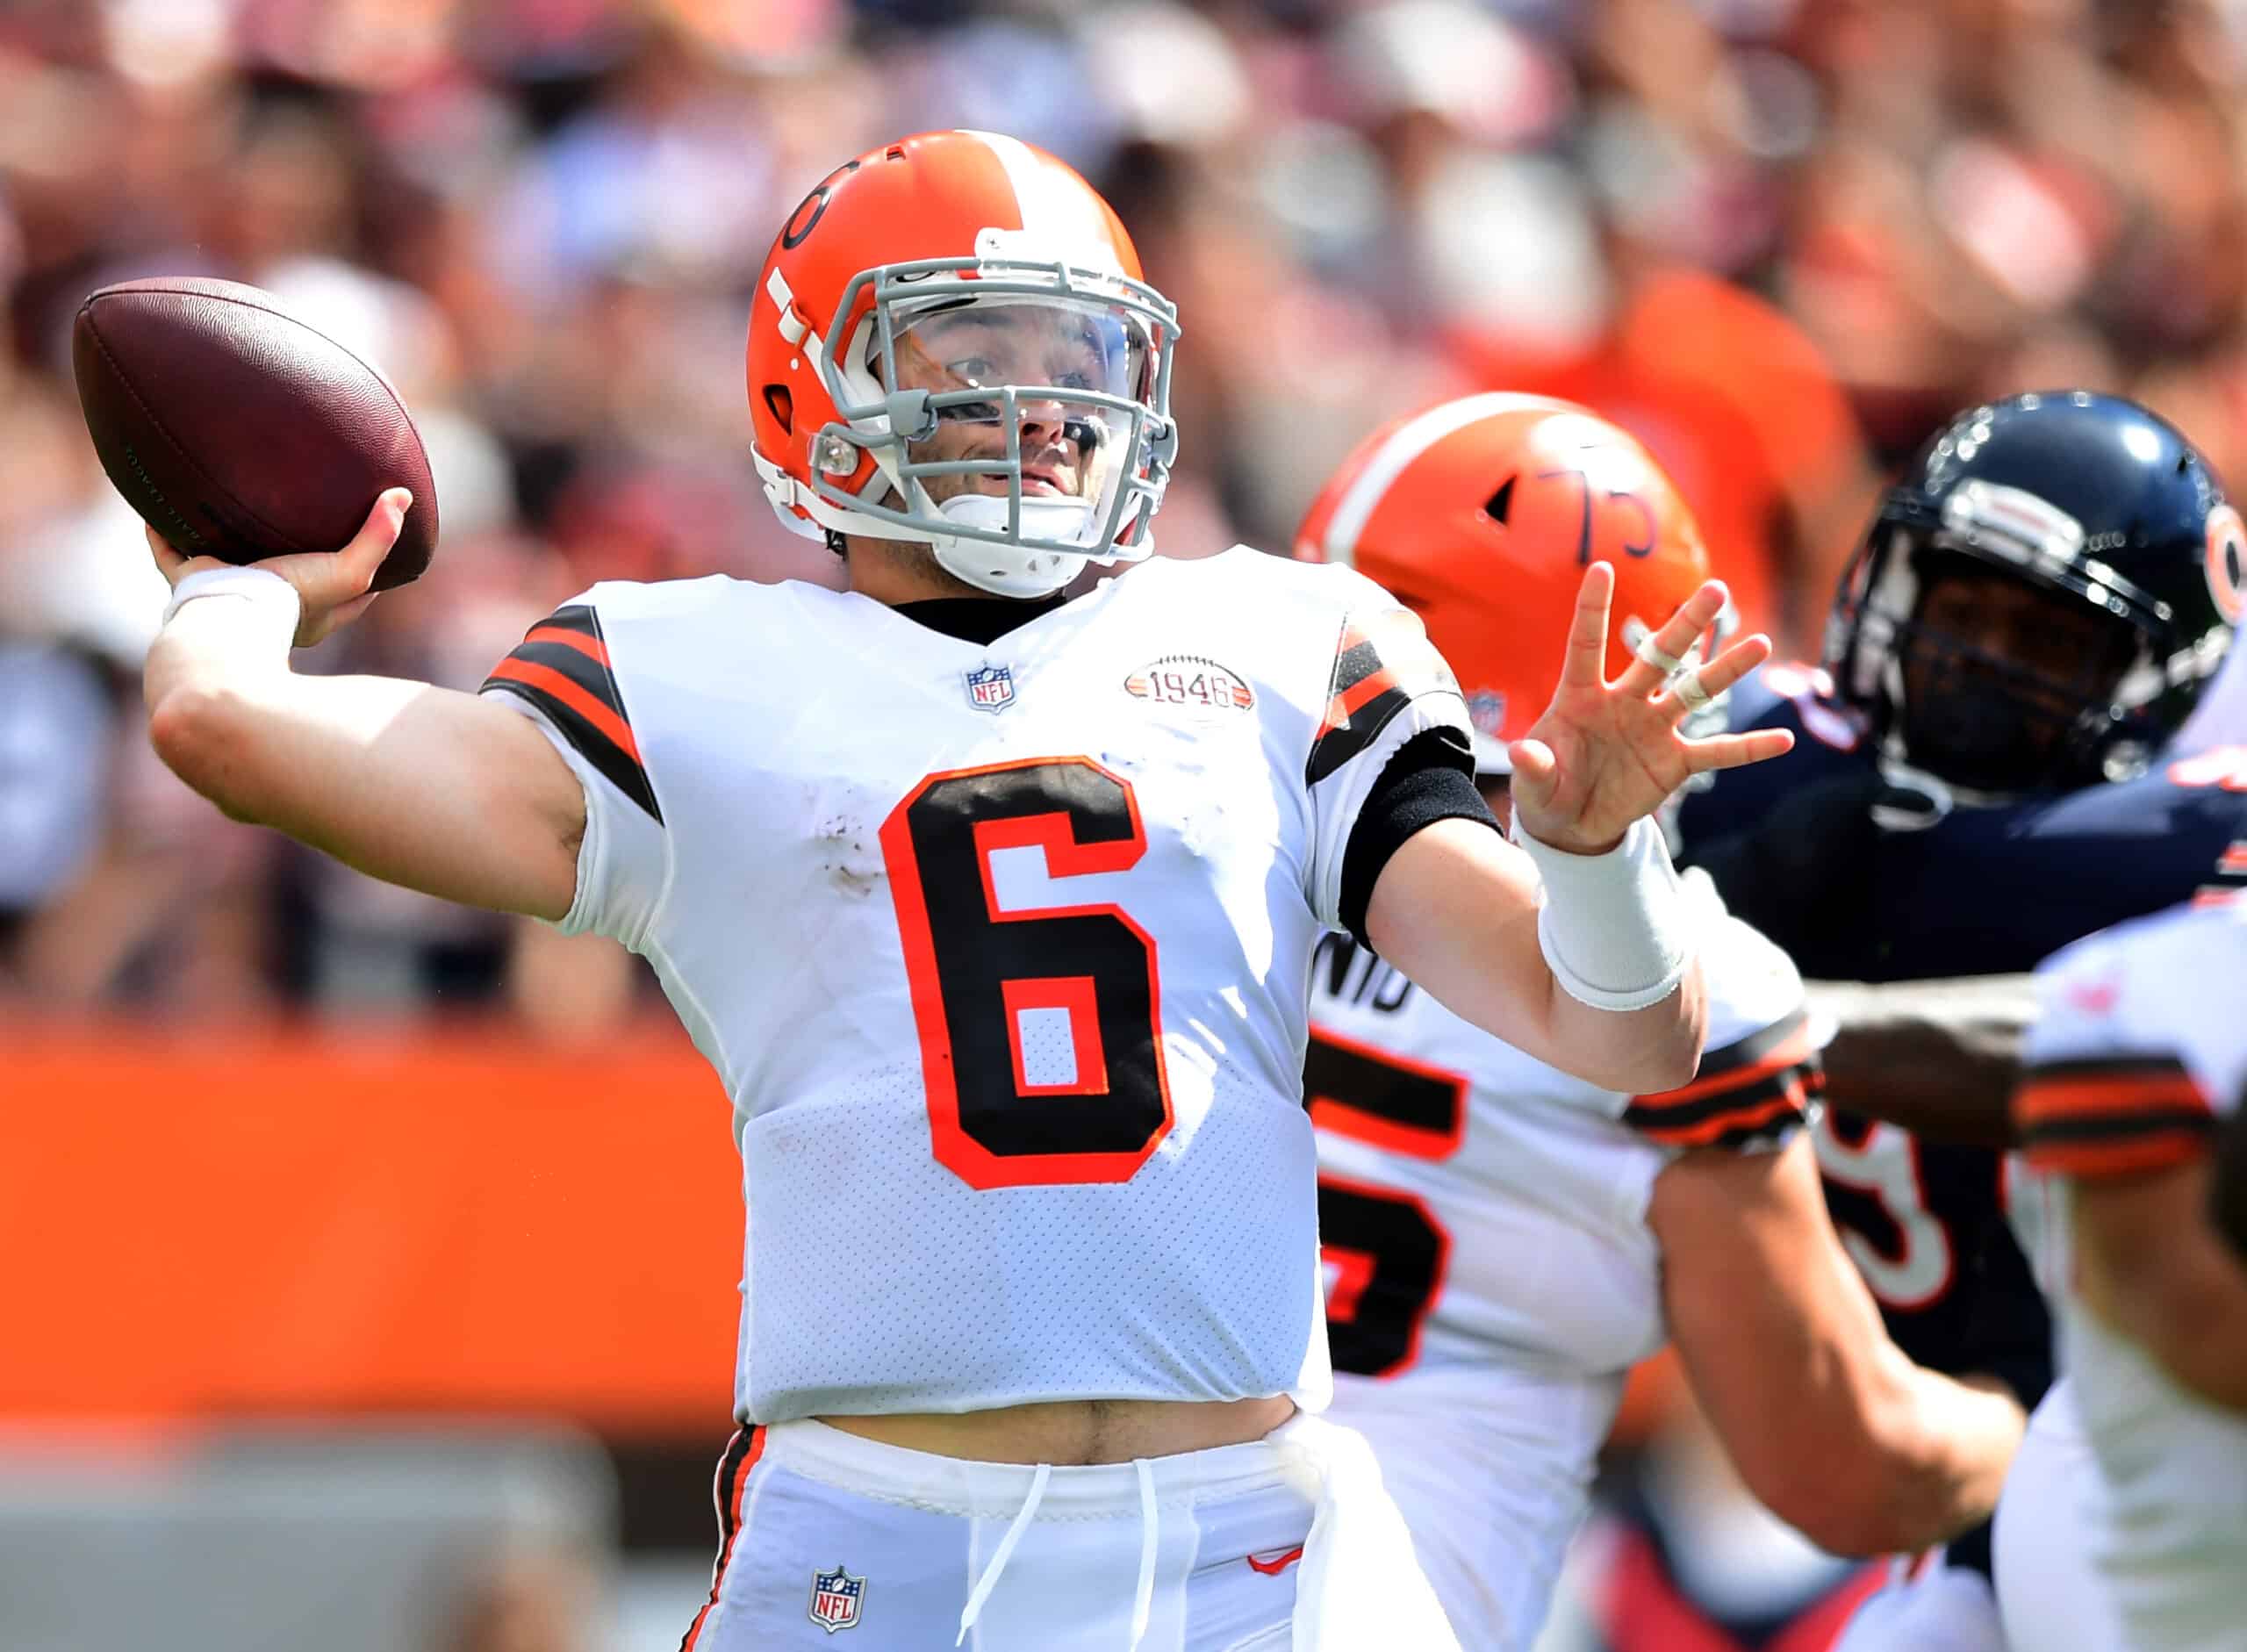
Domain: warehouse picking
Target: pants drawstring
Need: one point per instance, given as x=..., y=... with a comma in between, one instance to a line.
x=1143, y=1598
x=989, y=1580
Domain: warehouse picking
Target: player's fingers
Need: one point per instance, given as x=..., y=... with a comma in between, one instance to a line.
x=364, y=556
x=1736, y=662
x=168, y=562
x=1737, y=751
x=1694, y=616
x=175, y=565
x=1534, y=767
x=1675, y=640
x=320, y=626
x=326, y=579
x=1584, y=665
x=1690, y=691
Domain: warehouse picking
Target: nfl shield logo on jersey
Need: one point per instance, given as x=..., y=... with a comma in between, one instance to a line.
x=991, y=687
x=836, y=1598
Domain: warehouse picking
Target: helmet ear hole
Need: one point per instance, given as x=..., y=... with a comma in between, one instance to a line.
x=1500, y=503
x=781, y=404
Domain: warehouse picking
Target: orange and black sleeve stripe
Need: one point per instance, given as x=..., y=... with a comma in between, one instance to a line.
x=1381, y=663
x=561, y=667
x=1755, y=1089
x=2112, y=1115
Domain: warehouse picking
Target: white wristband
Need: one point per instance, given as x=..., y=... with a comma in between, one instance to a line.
x=267, y=589
x=1616, y=928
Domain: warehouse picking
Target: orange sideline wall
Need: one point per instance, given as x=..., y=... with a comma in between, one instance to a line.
x=375, y=1220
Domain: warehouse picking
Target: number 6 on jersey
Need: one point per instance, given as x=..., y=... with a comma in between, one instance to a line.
x=1040, y=1027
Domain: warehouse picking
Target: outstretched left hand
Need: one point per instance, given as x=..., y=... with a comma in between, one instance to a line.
x=1604, y=754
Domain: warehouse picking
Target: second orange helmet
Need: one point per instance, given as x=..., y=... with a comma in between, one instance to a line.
x=1481, y=515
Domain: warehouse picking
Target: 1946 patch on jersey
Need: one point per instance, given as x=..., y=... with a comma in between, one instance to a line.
x=1191, y=683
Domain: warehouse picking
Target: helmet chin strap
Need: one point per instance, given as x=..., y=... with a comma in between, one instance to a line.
x=1003, y=570
x=1010, y=570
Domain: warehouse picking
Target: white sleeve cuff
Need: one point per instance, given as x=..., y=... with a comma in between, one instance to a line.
x=268, y=591
x=1616, y=928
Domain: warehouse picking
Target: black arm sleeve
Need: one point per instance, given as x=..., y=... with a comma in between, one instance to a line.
x=1431, y=777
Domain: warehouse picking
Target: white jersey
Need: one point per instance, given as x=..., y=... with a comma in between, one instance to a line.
x=1000, y=951
x=1490, y=1275
x=2141, y=1048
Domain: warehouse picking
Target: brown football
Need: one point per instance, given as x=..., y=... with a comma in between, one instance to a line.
x=238, y=431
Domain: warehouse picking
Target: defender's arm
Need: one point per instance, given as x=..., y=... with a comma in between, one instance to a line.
x=1939, y=1058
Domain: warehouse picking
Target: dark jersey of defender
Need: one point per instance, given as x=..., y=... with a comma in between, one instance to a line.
x=1863, y=881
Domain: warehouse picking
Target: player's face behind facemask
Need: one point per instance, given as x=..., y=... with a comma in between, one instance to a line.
x=1013, y=450
x=1997, y=674
x=1009, y=383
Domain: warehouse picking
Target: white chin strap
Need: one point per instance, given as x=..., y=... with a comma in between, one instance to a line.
x=1018, y=570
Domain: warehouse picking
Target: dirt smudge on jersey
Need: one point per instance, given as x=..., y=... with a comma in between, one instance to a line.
x=850, y=859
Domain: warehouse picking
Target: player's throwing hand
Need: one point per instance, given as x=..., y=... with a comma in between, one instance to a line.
x=332, y=586
x=1604, y=754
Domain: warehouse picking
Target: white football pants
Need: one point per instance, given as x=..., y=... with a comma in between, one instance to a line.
x=2051, y=1591
x=1926, y=1608
x=1284, y=1544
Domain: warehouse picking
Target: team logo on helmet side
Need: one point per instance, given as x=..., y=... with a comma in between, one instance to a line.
x=836, y=1598
x=1486, y=713
x=2228, y=562
x=1479, y=515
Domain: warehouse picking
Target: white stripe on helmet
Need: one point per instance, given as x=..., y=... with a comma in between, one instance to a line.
x=1061, y=217
x=1409, y=442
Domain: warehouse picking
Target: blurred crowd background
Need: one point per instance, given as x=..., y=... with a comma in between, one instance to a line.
x=1777, y=238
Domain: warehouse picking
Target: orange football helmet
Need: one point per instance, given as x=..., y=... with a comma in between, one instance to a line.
x=1480, y=516
x=950, y=341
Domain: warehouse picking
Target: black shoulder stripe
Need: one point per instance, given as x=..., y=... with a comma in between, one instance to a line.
x=1339, y=742
x=1358, y=660
x=578, y=617
x=2136, y=1121
x=624, y=773
x=1755, y=1048
x=1381, y=661
x=570, y=641
x=588, y=674
x=561, y=667
x=2147, y=1066
x=1797, y=1082
x=1744, y=1135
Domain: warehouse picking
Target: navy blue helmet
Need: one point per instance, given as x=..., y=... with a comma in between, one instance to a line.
x=2042, y=597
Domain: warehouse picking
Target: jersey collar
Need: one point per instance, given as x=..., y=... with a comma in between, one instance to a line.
x=977, y=619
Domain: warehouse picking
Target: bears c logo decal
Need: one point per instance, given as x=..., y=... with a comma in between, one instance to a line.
x=2227, y=563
